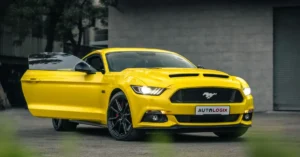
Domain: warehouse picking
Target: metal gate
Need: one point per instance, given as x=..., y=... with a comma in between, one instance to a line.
x=287, y=58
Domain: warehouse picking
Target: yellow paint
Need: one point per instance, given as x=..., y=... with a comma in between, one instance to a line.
x=79, y=96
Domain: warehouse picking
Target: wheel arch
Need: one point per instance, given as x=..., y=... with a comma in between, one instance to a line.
x=123, y=85
x=112, y=93
x=120, y=89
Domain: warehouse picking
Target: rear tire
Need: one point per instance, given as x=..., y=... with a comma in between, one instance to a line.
x=63, y=125
x=119, y=120
x=232, y=134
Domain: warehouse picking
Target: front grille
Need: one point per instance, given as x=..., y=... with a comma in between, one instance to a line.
x=207, y=95
x=207, y=118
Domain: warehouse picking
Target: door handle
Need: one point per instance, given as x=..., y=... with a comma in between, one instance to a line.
x=32, y=80
x=35, y=80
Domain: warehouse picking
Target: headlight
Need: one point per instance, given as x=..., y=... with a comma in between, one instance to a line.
x=147, y=90
x=247, y=91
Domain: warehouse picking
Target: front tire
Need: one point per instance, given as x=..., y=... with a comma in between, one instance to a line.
x=63, y=125
x=232, y=134
x=119, y=120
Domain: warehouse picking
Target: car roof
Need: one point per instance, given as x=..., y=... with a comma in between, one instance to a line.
x=118, y=49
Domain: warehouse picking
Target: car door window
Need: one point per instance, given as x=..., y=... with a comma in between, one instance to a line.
x=96, y=62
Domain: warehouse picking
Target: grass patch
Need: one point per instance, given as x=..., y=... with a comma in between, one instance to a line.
x=271, y=145
x=9, y=144
x=162, y=145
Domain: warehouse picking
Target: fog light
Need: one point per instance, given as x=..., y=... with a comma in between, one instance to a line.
x=154, y=116
x=247, y=116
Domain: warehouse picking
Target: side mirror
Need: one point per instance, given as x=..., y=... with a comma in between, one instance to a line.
x=83, y=67
x=200, y=66
x=102, y=71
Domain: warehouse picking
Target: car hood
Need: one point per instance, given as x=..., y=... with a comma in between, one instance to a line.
x=164, y=77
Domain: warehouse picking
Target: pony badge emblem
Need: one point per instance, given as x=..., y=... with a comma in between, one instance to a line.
x=208, y=95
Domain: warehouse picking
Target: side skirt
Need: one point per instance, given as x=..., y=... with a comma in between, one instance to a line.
x=89, y=123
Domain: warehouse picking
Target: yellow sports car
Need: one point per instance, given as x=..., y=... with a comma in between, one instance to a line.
x=134, y=90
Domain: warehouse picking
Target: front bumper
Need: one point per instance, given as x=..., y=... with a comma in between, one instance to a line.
x=194, y=122
x=140, y=105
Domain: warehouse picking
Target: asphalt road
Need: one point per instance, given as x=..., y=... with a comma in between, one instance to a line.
x=37, y=134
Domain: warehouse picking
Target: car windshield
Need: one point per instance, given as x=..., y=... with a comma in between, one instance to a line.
x=119, y=61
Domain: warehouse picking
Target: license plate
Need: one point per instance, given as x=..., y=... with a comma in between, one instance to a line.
x=211, y=110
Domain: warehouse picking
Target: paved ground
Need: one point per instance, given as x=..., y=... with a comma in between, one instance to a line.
x=38, y=134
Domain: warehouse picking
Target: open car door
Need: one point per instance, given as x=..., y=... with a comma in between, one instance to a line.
x=60, y=85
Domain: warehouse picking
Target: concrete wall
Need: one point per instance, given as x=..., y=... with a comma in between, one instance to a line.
x=29, y=46
x=236, y=37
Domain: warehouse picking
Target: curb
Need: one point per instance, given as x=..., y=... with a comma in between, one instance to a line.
x=277, y=112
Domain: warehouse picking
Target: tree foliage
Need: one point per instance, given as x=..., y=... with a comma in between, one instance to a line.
x=3, y=8
x=54, y=19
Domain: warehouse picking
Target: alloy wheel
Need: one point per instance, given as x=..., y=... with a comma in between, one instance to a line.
x=119, y=117
x=56, y=123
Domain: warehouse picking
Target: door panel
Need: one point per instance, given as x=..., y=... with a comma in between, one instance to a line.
x=54, y=93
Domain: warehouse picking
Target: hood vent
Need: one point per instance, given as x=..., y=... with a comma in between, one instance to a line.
x=216, y=75
x=183, y=75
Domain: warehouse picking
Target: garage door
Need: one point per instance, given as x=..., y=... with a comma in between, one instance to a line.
x=287, y=58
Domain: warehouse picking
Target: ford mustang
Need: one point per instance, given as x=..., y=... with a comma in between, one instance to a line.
x=132, y=91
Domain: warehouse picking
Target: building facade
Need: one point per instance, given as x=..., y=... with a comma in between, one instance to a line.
x=98, y=37
x=256, y=40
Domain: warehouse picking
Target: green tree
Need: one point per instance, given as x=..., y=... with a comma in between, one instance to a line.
x=54, y=19
x=3, y=8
